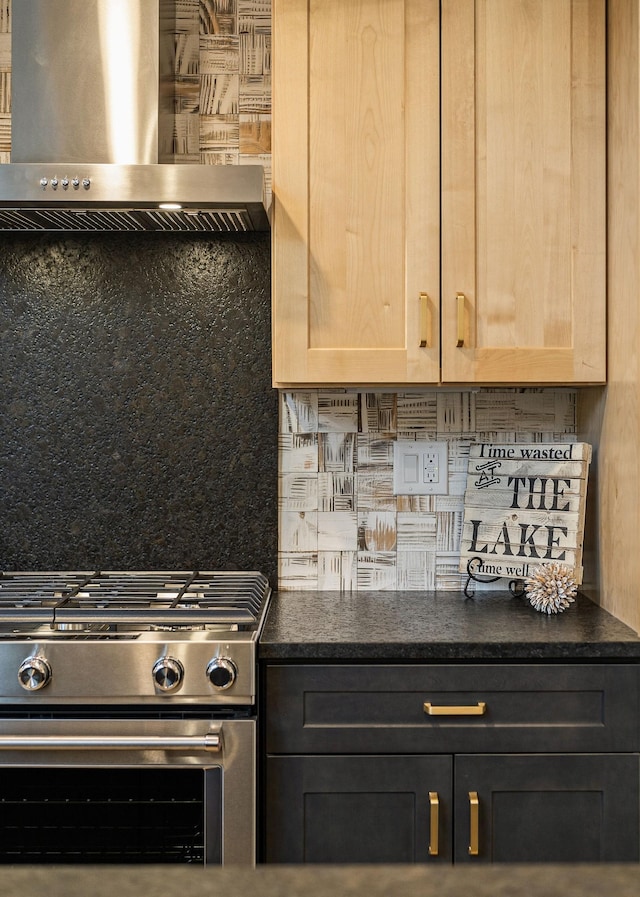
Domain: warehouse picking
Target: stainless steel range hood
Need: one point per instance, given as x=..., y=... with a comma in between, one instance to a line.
x=93, y=120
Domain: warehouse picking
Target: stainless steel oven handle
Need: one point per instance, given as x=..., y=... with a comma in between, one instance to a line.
x=211, y=742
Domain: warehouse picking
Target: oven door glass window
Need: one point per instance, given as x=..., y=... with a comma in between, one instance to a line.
x=110, y=815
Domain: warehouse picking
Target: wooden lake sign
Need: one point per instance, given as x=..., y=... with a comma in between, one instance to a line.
x=524, y=506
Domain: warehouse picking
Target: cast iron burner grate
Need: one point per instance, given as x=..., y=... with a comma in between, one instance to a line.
x=170, y=598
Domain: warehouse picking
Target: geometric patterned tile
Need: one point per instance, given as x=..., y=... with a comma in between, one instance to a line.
x=336, y=492
x=336, y=452
x=416, y=570
x=378, y=412
x=298, y=492
x=299, y=412
x=297, y=571
x=336, y=480
x=377, y=570
x=337, y=531
x=298, y=452
x=337, y=571
x=338, y=412
x=377, y=531
x=416, y=532
x=374, y=453
x=375, y=491
x=298, y=531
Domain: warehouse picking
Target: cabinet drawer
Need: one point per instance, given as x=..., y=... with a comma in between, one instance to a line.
x=495, y=707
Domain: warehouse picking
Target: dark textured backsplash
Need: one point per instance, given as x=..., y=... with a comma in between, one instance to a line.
x=138, y=426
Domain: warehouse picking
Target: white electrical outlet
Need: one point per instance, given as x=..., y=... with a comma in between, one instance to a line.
x=420, y=468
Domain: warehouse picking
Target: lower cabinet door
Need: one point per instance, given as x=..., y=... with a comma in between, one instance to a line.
x=546, y=808
x=358, y=809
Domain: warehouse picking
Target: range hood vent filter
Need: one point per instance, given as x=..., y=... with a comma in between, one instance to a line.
x=90, y=219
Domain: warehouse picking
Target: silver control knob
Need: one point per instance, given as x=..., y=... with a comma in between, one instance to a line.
x=54, y=183
x=43, y=182
x=167, y=673
x=65, y=183
x=86, y=183
x=76, y=183
x=34, y=673
x=221, y=672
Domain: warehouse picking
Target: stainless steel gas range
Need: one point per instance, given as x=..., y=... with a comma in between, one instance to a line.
x=128, y=716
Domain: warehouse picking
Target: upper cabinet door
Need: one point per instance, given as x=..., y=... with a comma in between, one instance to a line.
x=360, y=153
x=356, y=242
x=523, y=191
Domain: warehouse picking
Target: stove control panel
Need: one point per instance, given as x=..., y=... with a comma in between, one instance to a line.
x=222, y=672
x=149, y=669
x=34, y=673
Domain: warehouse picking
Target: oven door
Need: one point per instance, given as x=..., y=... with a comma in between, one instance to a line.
x=127, y=791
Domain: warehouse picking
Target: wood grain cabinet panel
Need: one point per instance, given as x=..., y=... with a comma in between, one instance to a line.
x=380, y=276
x=523, y=191
x=356, y=191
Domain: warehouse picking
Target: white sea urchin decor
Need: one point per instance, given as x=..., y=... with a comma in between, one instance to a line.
x=552, y=588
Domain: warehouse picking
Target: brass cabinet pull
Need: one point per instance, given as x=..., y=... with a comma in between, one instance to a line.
x=460, y=300
x=425, y=329
x=474, y=823
x=434, y=812
x=478, y=709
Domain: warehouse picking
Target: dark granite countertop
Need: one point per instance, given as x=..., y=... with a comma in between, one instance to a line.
x=314, y=881
x=309, y=625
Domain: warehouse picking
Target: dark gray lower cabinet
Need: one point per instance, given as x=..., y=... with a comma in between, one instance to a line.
x=354, y=809
x=405, y=809
x=480, y=763
x=577, y=808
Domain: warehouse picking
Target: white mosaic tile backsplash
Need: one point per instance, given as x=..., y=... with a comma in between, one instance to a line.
x=340, y=525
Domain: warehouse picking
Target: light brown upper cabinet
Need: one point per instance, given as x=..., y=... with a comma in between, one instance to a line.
x=439, y=192
x=523, y=191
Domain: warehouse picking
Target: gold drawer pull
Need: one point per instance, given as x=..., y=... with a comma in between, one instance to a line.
x=460, y=300
x=478, y=709
x=474, y=823
x=425, y=328
x=434, y=810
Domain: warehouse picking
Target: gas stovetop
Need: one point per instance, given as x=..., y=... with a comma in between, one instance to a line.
x=123, y=636
x=170, y=598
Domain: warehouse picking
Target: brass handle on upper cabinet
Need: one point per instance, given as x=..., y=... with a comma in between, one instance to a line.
x=425, y=329
x=434, y=812
x=474, y=823
x=460, y=300
x=478, y=709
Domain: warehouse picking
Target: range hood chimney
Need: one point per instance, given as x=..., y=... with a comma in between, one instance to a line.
x=87, y=125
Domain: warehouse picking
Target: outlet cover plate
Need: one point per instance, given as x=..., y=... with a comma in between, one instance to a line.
x=420, y=468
